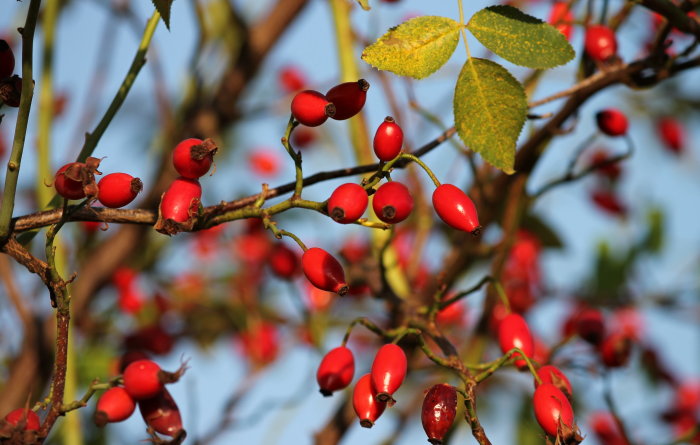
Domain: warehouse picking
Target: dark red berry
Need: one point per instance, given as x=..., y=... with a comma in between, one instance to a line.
x=388, y=371
x=192, y=158
x=590, y=325
x=609, y=202
x=348, y=98
x=114, y=405
x=392, y=202
x=324, y=271
x=364, y=401
x=312, y=108
x=513, y=332
x=162, y=414
x=11, y=91
x=552, y=374
x=284, y=262
x=600, y=43
x=605, y=428
x=438, y=412
x=612, y=122
x=181, y=200
x=672, y=134
x=68, y=183
x=142, y=379
x=456, y=208
x=615, y=350
x=347, y=203
x=552, y=408
x=336, y=370
x=7, y=60
x=118, y=189
x=24, y=416
x=560, y=17
x=610, y=170
x=388, y=140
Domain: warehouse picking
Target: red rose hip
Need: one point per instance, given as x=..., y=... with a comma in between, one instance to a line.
x=552, y=408
x=118, y=189
x=284, y=262
x=600, y=43
x=672, y=134
x=612, y=122
x=68, y=181
x=336, y=370
x=347, y=203
x=364, y=402
x=181, y=200
x=392, y=202
x=162, y=414
x=561, y=18
x=388, y=371
x=552, y=374
x=324, y=271
x=311, y=108
x=348, y=98
x=7, y=60
x=142, y=379
x=388, y=140
x=513, y=332
x=192, y=158
x=438, y=412
x=456, y=208
x=29, y=418
x=114, y=405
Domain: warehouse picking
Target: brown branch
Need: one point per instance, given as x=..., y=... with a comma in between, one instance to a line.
x=676, y=16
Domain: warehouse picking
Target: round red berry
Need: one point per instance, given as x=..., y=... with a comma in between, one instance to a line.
x=552, y=407
x=291, y=79
x=364, y=401
x=456, y=208
x=615, y=350
x=312, y=108
x=68, y=181
x=600, y=43
x=672, y=134
x=283, y=261
x=192, y=158
x=181, y=200
x=612, y=122
x=560, y=17
x=118, y=189
x=552, y=374
x=324, y=271
x=336, y=370
x=388, y=371
x=438, y=411
x=348, y=98
x=347, y=203
x=162, y=414
x=114, y=405
x=388, y=140
x=392, y=202
x=142, y=379
x=29, y=418
x=513, y=332
x=7, y=60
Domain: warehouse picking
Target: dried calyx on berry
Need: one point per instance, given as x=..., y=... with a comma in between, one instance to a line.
x=76, y=180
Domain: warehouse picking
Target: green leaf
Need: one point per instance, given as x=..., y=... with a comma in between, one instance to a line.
x=163, y=8
x=490, y=109
x=416, y=48
x=364, y=4
x=519, y=38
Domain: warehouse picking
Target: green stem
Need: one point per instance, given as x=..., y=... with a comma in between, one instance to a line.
x=503, y=360
x=296, y=157
x=25, y=103
x=464, y=33
x=366, y=322
x=422, y=164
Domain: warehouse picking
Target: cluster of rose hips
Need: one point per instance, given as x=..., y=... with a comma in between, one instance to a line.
x=10, y=86
x=143, y=383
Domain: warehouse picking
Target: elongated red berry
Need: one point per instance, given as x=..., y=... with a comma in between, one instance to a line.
x=612, y=122
x=456, y=208
x=162, y=414
x=142, y=379
x=192, y=158
x=114, y=405
x=600, y=43
x=364, y=401
x=284, y=262
x=118, y=189
x=552, y=407
x=68, y=183
x=181, y=200
x=672, y=134
x=513, y=332
x=7, y=60
x=388, y=371
x=29, y=418
x=560, y=17
x=348, y=98
x=388, y=140
x=615, y=349
x=552, y=374
x=347, y=203
x=392, y=202
x=438, y=412
x=336, y=370
x=312, y=108
x=324, y=271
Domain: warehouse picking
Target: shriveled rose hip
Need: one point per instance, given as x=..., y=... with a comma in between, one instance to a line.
x=67, y=181
x=162, y=414
x=348, y=98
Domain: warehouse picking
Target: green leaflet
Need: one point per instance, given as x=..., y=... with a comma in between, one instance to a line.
x=416, y=48
x=519, y=38
x=163, y=8
x=490, y=109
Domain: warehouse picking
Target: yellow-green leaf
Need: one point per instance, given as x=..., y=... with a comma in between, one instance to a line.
x=519, y=38
x=416, y=48
x=490, y=109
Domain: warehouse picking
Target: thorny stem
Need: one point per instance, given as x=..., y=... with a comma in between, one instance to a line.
x=25, y=103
